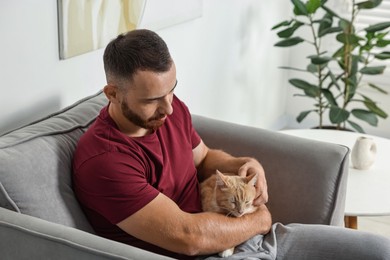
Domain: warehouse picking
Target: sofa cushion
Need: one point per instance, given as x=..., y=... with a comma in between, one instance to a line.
x=36, y=164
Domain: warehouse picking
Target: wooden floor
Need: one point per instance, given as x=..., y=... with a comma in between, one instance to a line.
x=377, y=225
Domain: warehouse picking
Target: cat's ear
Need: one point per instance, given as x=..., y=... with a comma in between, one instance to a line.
x=252, y=179
x=220, y=179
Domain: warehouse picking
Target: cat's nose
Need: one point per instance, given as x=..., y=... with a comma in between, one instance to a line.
x=237, y=214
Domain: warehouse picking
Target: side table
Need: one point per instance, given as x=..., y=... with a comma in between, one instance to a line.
x=368, y=191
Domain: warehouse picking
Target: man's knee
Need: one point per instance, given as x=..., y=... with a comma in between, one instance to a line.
x=327, y=242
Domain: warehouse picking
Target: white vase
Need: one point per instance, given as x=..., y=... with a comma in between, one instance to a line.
x=363, y=153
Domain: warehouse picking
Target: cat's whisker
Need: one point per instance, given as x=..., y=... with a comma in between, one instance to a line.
x=225, y=208
x=228, y=214
x=228, y=210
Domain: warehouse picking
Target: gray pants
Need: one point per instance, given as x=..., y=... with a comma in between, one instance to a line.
x=312, y=242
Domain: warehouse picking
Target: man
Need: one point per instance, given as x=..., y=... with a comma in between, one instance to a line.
x=136, y=169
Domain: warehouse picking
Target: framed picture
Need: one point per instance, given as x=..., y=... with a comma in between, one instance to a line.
x=87, y=25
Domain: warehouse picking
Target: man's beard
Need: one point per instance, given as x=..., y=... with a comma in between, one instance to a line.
x=152, y=123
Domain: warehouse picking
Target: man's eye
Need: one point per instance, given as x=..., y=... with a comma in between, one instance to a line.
x=151, y=101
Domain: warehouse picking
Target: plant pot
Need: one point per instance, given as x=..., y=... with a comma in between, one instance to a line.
x=332, y=127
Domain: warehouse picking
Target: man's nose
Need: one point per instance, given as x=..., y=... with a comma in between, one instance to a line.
x=166, y=106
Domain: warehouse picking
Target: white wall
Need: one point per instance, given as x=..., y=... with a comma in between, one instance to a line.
x=34, y=81
x=227, y=67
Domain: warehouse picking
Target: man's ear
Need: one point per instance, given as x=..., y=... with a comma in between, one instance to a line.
x=112, y=93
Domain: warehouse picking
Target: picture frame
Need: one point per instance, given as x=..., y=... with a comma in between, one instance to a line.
x=87, y=25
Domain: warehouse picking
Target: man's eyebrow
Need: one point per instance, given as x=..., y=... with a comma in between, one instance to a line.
x=173, y=87
x=156, y=98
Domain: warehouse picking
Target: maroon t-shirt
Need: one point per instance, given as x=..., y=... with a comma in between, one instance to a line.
x=115, y=175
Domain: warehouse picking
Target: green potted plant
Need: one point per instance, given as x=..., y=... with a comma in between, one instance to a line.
x=337, y=77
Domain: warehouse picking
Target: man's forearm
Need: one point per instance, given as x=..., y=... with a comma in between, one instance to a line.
x=164, y=224
x=224, y=162
x=217, y=232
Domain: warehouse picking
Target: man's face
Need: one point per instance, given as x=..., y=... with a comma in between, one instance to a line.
x=148, y=101
x=152, y=123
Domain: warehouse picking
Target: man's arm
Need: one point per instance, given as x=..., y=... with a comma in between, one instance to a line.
x=163, y=223
x=208, y=161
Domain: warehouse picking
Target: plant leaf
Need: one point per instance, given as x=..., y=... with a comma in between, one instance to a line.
x=329, y=96
x=325, y=23
x=373, y=70
x=312, y=68
x=299, y=83
x=289, y=42
x=302, y=115
x=382, y=35
x=366, y=116
x=291, y=68
x=329, y=30
x=312, y=6
x=371, y=105
x=309, y=89
x=377, y=27
x=286, y=33
x=352, y=84
x=319, y=60
x=354, y=64
x=282, y=24
x=299, y=7
x=345, y=25
x=383, y=55
x=382, y=43
x=333, y=80
x=348, y=38
x=338, y=115
x=339, y=52
x=356, y=126
x=370, y=4
x=378, y=88
x=330, y=11
x=299, y=95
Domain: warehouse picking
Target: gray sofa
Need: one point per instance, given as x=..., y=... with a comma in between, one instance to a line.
x=40, y=217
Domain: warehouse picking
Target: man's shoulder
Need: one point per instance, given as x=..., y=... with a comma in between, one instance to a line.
x=100, y=143
x=179, y=103
x=180, y=110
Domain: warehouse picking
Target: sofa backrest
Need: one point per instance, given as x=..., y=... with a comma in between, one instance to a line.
x=36, y=164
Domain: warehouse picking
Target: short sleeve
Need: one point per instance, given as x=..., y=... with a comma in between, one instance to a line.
x=195, y=138
x=116, y=186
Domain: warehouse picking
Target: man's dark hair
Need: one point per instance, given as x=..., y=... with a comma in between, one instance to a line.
x=133, y=51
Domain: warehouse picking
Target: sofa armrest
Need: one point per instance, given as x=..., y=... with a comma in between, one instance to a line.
x=306, y=179
x=26, y=237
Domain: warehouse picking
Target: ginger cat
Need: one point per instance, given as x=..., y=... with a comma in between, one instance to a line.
x=230, y=195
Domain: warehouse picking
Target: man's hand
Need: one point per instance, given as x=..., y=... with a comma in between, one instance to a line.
x=208, y=160
x=253, y=166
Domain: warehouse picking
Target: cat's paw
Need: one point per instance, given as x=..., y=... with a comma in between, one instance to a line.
x=227, y=252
